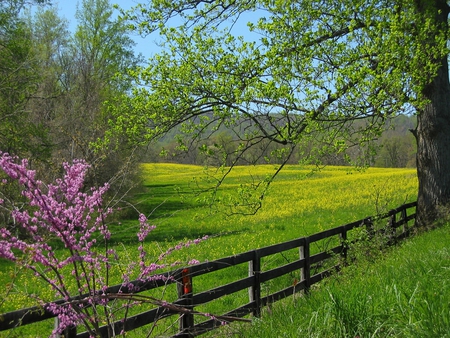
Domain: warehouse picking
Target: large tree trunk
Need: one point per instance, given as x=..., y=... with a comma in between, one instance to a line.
x=433, y=141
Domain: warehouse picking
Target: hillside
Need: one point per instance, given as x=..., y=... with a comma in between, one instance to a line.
x=394, y=148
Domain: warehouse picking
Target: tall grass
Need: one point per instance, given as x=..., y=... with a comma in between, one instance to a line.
x=403, y=293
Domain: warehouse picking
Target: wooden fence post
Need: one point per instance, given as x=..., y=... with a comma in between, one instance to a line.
x=404, y=216
x=254, y=292
x=392, y=229
x=185, y=292
x=343, y=236
x=305, y=272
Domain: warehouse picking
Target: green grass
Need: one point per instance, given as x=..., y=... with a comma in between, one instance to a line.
x=403, y=293
x=297, y=204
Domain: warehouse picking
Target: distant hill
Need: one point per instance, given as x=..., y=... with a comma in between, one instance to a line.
x=396, y=147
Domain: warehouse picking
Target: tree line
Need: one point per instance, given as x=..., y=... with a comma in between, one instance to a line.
x=394, y=148
x=58, y=85
x=57, y=88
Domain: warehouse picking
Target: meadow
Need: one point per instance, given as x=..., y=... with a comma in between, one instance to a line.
x=301, y=201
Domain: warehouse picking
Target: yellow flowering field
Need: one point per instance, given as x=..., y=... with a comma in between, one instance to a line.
x=300, y=201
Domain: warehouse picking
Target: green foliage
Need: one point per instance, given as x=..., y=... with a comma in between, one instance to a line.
x=20, y=133
x=296, y=85
x=83, y=75
x=321, y=75
x=18, y=69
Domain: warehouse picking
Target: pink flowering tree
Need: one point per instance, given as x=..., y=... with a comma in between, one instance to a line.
x=77, y=219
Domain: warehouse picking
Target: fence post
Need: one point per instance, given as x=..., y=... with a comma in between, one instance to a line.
x=343, y=236
x=254, y=292
x=392, y=228
x=185, y=292
x=305, y=272
x=404, y=216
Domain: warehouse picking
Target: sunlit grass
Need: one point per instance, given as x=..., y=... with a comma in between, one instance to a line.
x=404, y=293
x=297, y=204
x=300, y=202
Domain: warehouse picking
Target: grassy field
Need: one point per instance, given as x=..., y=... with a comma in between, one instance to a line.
x=300, y=202
x=404, y=293
x=297, y=204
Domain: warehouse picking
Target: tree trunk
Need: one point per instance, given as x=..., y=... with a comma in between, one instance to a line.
x=433, y=141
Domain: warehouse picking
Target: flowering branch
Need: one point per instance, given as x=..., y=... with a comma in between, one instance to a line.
x=63, y=211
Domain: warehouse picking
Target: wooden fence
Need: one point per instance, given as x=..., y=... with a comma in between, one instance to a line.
x=312, y=263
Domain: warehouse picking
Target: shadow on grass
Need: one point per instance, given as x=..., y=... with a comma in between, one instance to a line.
x=161, y=236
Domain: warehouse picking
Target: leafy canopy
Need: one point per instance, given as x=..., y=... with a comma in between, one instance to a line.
x=312, y=70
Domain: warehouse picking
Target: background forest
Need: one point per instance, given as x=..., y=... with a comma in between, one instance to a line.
x=394, y=148
x=57, y=86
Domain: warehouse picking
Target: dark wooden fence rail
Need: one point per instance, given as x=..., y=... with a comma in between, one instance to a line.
x=311, y=267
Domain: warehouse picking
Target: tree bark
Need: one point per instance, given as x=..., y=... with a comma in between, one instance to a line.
x=433, y=140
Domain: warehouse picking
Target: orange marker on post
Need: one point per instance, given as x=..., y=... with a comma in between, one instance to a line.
x=187, y=281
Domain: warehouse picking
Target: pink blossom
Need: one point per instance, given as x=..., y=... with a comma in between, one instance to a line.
x=145, y=228
x=193, y=261
x=77, y=218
